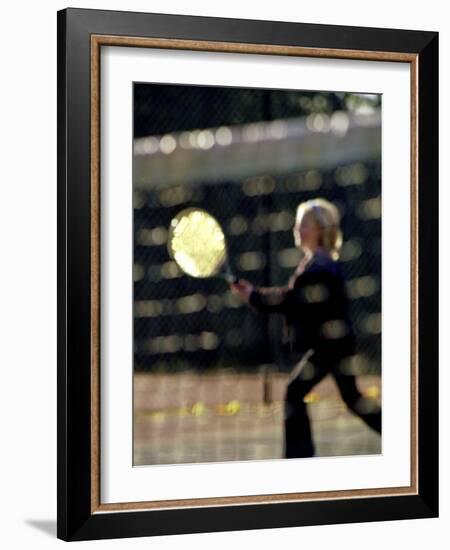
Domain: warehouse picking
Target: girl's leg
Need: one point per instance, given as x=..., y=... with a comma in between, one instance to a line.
x=298, y=441
x=367, y=409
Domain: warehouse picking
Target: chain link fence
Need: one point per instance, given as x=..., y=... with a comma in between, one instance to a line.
x=248, y=157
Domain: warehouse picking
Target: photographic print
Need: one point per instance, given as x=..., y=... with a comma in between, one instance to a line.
x=256, y=274
x=247, y=322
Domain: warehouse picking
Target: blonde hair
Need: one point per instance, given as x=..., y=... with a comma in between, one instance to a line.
x=326, y=215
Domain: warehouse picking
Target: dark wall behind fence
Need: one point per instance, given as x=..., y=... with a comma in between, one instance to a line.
x=184, y=323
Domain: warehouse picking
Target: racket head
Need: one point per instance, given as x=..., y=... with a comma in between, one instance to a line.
x=197, y=243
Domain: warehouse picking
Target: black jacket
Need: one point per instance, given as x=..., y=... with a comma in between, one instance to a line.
x=315, y=307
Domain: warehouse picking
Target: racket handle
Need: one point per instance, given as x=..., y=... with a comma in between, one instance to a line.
x=228, y=275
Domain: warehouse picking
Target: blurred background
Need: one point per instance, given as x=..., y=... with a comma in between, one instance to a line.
x=209, y=373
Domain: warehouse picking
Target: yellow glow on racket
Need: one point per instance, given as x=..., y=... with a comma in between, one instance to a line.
x=197, y=243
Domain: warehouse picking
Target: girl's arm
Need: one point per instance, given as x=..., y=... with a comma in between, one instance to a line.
x=270, y=299
x=312, y=296
x=263, y=299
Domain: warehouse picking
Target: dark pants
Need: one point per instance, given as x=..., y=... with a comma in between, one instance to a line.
x=307, y=373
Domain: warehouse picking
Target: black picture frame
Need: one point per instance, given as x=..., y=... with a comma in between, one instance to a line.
x=79, y=517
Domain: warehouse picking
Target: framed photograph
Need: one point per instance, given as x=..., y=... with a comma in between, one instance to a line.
x=247, y=274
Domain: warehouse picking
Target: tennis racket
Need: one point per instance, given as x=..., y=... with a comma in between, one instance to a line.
x=197, y=244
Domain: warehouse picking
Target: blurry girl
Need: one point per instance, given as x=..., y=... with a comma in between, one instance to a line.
x=315, y=307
